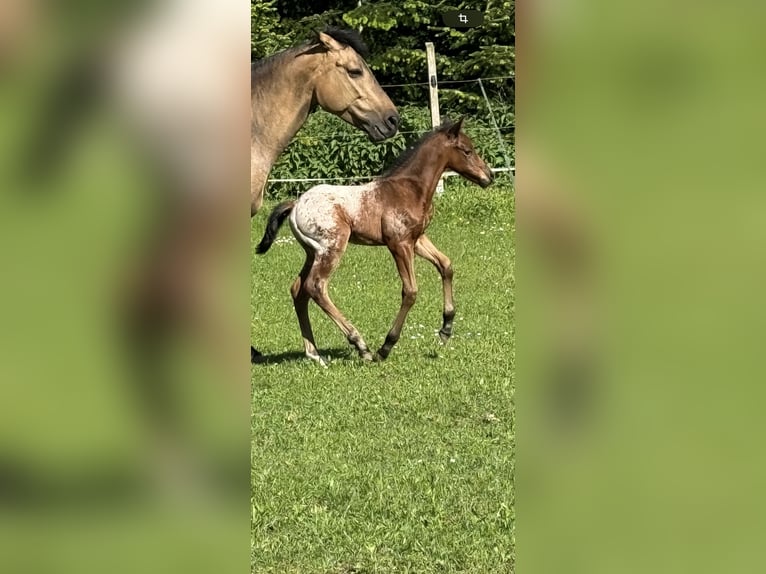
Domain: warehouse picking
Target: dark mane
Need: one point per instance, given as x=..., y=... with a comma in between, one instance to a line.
x=410, y=152
x=350, y=38
x=263, y=68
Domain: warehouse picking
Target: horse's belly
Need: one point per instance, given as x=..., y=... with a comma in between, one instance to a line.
x=363, y=240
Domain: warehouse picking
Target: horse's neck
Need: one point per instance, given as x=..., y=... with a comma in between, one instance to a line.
x=280, y=104
x=426, y=168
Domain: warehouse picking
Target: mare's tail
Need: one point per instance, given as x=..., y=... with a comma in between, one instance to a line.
x=276, y=219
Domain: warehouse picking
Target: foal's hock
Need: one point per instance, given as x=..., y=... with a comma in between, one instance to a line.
x=394, y=211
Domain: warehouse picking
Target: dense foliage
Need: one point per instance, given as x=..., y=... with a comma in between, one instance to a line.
x=396, y=33
x=329, y=148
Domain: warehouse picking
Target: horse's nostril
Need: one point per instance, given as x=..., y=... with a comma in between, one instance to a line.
x=393, y=120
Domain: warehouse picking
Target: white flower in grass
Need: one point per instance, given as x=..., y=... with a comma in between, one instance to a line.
x=490, y=418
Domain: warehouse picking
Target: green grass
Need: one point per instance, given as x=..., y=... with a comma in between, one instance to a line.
x=403, y=466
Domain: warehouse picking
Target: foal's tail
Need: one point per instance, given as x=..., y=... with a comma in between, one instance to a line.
x=276, y=219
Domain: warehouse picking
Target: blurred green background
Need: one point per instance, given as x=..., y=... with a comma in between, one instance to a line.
x=97, y=473
x=645, y=121
x=643, y=125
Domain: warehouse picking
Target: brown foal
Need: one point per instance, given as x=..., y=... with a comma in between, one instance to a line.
x=394, y=211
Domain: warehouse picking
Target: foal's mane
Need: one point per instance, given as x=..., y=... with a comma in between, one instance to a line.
x=407, y=155
x=351, y=38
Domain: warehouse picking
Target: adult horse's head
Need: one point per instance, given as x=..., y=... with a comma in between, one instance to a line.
x=462, y=156
x=346, y=87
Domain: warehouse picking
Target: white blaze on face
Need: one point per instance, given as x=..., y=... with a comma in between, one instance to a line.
x=314, y=217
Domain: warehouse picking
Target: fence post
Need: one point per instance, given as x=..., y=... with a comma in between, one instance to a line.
x=433, y=93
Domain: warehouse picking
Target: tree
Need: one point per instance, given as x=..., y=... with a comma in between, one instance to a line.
x=396, y=33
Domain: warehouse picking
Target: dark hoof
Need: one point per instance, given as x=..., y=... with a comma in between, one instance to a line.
x=378, y=358
x=444, y=336
x=254, y=355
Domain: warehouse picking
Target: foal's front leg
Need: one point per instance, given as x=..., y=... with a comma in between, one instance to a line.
x=427, y=250
x=404, y=257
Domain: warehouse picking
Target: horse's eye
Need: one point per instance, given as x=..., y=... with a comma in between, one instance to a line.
x=467, y=152
x=355, y=73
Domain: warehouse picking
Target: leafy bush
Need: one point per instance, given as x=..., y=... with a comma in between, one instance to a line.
x=327, y=147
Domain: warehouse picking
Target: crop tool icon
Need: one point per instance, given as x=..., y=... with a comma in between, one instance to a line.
x=463, y=18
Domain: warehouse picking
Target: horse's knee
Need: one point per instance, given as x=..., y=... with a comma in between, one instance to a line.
x=409, y=296
x=447, y=269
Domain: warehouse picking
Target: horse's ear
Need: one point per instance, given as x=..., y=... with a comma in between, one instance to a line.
x=454, y=129
x=329, y=42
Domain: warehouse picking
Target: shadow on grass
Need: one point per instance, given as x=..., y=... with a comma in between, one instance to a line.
x=293, y=356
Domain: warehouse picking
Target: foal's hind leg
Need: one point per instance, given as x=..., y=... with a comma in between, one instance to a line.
x=427, y=250
x=316, y=285
x=301, y=303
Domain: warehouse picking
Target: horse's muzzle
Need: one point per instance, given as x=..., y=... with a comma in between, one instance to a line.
x=384, y=128
x=487, y=178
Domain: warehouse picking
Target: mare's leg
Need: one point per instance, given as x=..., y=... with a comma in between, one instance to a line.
x=404, y=257
x=316, y=285
x=301, y=303
x=257, y=184
x=258, y=177
x=427, y=250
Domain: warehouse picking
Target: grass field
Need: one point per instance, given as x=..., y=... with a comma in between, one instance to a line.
x=403, y=466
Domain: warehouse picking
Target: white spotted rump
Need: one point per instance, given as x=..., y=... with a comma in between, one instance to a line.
x=315, y=217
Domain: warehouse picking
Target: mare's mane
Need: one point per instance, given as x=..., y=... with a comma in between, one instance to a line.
x=261, y=69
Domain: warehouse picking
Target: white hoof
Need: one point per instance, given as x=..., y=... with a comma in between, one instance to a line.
x=318, y=359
